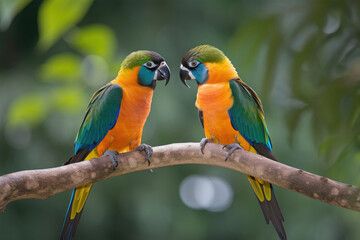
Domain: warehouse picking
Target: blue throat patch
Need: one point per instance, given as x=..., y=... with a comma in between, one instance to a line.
x=201, y=73
x=145, y=76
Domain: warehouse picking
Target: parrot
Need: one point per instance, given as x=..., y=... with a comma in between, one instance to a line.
x=114, y=121
x=231, y=114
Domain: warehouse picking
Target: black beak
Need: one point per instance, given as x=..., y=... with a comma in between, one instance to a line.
x=163, y=73
x=185, y=75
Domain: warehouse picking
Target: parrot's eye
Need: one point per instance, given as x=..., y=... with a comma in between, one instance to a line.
x=150, y=64
x=193, y=64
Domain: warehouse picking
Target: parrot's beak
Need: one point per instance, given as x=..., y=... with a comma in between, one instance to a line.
x=163, y=72
x=185, y=74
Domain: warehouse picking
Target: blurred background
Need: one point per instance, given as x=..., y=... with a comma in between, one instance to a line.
x=301, y=57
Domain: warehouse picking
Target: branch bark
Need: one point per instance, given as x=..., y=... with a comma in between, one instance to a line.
x=44, y=183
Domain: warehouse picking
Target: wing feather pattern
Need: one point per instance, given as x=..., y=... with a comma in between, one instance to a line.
x=247, y=117
x=100, y=117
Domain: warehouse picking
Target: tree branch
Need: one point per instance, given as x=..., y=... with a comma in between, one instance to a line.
x=44, y=183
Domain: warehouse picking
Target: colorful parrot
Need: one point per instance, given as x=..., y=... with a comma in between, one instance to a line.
x=231, y=113
x=114, y=121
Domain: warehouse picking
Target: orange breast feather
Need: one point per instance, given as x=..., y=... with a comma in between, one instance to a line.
x=215, y=100
x=134, y=109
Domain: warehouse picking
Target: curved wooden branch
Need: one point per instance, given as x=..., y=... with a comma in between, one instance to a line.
x=45, y=183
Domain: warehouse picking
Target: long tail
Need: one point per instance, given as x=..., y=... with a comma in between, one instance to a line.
x=265, y=194
x=74, y=211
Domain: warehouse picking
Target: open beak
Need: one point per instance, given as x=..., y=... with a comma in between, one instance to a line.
x=185, y=74
x=162, y=73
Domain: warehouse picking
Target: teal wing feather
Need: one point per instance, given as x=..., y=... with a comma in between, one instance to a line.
x=101, y=116
x=247, y=115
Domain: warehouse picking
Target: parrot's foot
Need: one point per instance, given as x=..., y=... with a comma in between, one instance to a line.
x=231, y=148
x=203, y=142
x=114, y=157
x=147, y=149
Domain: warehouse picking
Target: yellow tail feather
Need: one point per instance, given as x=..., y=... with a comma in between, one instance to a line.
x=255, y=183
x=257, y=188
x=82, y=192
x=80, y=197
x=267, y=190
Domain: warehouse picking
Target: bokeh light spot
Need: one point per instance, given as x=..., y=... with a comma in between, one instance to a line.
x=207, y=193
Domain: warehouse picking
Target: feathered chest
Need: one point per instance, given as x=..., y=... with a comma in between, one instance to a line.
x=214, y=97
x=215, y=100
x=135, y=107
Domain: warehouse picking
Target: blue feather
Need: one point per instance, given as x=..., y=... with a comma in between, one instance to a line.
x=145, y=76
x=200, y=73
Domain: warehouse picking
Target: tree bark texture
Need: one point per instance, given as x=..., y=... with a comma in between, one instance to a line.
x=44, y=183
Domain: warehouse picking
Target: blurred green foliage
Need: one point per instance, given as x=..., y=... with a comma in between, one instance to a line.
x=57, y=16
x=61, y=67
x=302, y=57
x=29, y=109
x=9, y=9
x=84, y=39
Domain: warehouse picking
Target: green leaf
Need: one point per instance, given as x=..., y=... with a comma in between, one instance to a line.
x=57, y=16
x=62, y=67
x=94, y=39
x=30, y=109
x=68, y=100
x=9, y=9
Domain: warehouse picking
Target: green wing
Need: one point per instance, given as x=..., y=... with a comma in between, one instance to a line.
x=101, y=116
x=247, y=117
